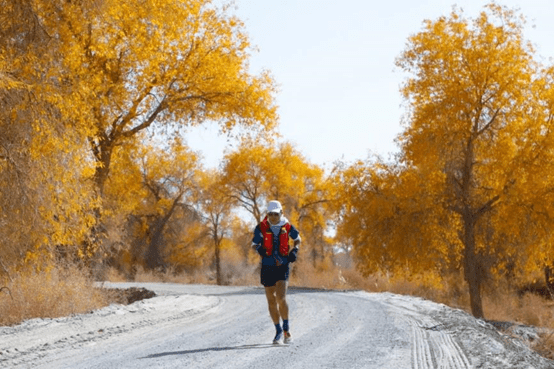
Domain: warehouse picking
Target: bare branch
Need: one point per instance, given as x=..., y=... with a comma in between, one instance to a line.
x=491, y=121
x=487, y=206
x=147, y=122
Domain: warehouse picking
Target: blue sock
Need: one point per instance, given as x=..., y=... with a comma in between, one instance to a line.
x=285, y=325
x=278, y=328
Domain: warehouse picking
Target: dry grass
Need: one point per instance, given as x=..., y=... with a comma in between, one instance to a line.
x=156, y=276
x=528, y=309
x=545, y=345
x=327, y=277
x=170, y=276
x=59, y=292
x=111, y=274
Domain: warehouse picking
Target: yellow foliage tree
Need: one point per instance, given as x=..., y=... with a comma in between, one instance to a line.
x=475, y=131
x=46, y=200
x=104, y=71
x=167, y=63
x=215, y=207
x=170, y=179
x=387, y=215
x=258, y=172
x=473, y=185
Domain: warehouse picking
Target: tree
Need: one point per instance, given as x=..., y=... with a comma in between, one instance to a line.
x=258, y=172
x=115, y=69
x=474, y=127
x=166, y=63
x=244, y=177
x=171, y=181
x=215, y=207
x=387, y=216
x=47, y=201
x=147, y=201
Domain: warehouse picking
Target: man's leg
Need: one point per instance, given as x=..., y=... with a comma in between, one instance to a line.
x=270, y=294
x=281, y=292
x=281, y=297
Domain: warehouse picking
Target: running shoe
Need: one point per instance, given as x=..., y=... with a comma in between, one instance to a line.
x=288, y=338
x=278, y=337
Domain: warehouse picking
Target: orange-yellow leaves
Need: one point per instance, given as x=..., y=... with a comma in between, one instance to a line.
x=163, y=63
x=259, y=171
x=477, y=155
x=79, y=82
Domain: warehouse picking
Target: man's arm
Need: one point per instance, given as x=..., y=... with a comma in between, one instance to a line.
x=295, y=235
x=293, y=254
x=257, y=241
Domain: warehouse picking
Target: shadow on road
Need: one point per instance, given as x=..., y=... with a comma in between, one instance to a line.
x=187, y=352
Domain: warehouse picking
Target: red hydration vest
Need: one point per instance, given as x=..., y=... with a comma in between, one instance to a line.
x=268, y=238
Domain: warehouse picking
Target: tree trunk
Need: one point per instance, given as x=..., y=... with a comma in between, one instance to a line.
x=474, y=283
x=153, y=253
x=218, y=276
x=154, y=257
x=471, y=267
x=469, y=217
x=103, y=154
x=96, y=234
x=5, y=270
x=313, y=254
x=549, y=279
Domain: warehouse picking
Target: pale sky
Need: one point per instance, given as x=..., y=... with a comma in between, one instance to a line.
x=333, y=60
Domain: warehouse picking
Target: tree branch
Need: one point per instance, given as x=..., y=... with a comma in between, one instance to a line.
x=491, y=121
x=132, y=113
x=147, y=122
x=488, y=206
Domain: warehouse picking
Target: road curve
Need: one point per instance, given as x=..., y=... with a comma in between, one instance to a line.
x=199, y=326
x=331, y=330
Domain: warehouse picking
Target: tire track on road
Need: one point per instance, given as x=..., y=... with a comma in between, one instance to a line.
x=433, y=347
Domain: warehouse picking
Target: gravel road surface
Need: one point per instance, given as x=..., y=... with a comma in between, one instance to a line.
x=199, y=326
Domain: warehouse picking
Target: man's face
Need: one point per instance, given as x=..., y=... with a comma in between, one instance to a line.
x=274, y=217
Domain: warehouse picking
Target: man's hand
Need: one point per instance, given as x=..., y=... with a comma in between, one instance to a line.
x=293, y=254
x=261, y=250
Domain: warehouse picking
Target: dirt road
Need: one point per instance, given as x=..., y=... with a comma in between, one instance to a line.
x=196, y=326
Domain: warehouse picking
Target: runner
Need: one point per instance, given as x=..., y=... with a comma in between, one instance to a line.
x=271, y=241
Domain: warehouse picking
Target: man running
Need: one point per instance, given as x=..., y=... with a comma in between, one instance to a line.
x=271, y=241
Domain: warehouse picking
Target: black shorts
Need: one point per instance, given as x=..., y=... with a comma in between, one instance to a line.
x=270, y=274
